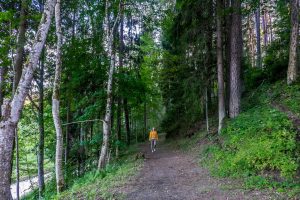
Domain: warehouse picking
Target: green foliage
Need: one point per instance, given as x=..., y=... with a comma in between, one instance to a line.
x=187, y=63
x=260, y=139
x=275, y=64
x=276, y=60
x=97, y=184
x=289, y=98
x=28, y=143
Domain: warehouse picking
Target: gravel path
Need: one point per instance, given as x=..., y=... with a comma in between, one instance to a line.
x=169, y=174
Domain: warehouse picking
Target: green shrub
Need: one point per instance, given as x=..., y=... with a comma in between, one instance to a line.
x=260, y=139
x=276, y=61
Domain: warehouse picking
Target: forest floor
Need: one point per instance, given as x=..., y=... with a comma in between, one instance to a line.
x=170, y=173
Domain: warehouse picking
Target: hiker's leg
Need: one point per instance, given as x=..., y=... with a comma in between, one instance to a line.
x=152, y=145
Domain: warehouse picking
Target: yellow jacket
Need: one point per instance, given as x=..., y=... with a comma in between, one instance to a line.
x=153, y=135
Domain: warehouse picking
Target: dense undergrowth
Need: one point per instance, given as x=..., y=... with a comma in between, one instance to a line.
x=260, y=146
x=97, y=184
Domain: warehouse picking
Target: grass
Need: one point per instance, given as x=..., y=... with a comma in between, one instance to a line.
x=286, y=95
x=259, y=147
x=98, y=184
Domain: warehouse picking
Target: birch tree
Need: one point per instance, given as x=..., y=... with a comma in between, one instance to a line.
x=55, y=104
x=108, y=111
x=11, y=109
x=121, y=52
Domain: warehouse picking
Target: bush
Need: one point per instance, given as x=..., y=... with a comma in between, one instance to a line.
x=260, y=139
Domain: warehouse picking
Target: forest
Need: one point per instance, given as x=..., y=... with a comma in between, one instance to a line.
x=83, y=82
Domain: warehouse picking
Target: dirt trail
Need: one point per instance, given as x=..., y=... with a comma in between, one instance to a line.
x=169, y=174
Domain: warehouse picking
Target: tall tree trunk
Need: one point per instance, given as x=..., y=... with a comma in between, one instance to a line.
x=112, y=117
x=251, y=43
x=228, y=22
x=258, y=43
x=55, y=104
x=270, y=27
x=11, y=110
x=41, y=181
x=221, y=91
x=209, y=58
x=17, y=164
x=119, y=125
x=20, y=46
x=235, y=60
x=119, y=101
x=81, y=150
x=145, y=120
x=2, y=84
x=294, y=39
x=18, y=63
x=265, y=30
x=108, y=110
x=107, y=118
x=67, y=133
x=127, y=123
x=206, y=110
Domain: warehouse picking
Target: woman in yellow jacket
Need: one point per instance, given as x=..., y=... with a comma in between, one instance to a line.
x=153, y=137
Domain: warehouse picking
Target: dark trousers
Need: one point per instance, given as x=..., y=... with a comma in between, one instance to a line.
x=153, y=144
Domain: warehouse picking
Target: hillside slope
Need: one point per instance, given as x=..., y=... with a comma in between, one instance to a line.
x=262, y=144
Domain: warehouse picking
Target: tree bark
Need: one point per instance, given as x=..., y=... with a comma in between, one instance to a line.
x=41, y=181
x=294, y=39
x=108, y=110
x=55, y=104
x=265, y=30
x=67, y=133
x=20, y=46
x=228, y=22
x=121, y=52
x=145, y=120
x=221, y=91
x=11, y=110
x=17, y=165
x=258, y=42
x=81, y=150
x=251, y=42
x=271, y=28
x=119, y=125
x=206, y=110
x=2, y=84
x=127, y=123
x=107, y=118
x=40, y=156
x=18, y=63
x=235, y=60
